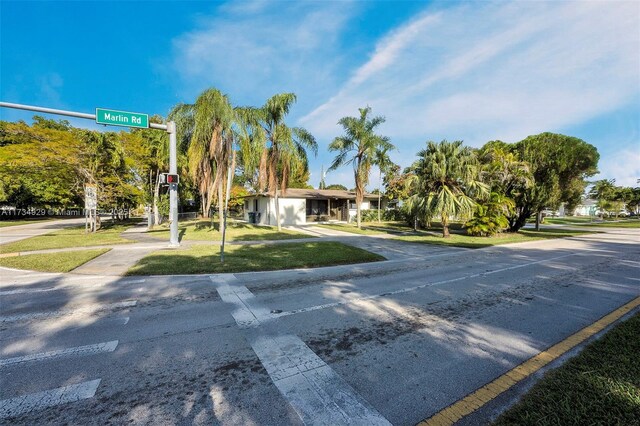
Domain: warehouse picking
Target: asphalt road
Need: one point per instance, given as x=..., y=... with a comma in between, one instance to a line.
x=392, y=343
x=20, y=232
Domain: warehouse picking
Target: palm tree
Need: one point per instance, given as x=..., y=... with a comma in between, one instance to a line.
x=506, y=175
x=446, y=180
x=283, y=152
x=382, y=160
x=358, y=147
x=207, y=127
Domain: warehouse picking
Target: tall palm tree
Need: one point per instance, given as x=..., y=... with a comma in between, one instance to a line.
x=382, y=160
x=284, y=148
x=207, y=125
x=447, y=178
x=358, y=147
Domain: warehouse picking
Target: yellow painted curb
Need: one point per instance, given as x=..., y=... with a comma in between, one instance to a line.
x=490, y=391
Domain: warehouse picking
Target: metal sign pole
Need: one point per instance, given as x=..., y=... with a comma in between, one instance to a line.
x=173, y=187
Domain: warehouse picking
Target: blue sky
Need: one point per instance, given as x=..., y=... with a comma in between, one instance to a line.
x=475, y=71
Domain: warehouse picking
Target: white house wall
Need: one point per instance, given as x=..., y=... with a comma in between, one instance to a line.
x=353, y=213
x=292, y=210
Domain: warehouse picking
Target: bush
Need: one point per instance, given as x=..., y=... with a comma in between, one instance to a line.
x=387, y=215
x=490, y=218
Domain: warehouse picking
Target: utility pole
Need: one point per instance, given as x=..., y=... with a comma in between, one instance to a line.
x=173, y=187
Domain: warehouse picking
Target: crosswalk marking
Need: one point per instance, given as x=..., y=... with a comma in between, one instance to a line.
x=316, y=392
x=70, y=352
x=37, y=401
x=27, y=291
x=53, y=314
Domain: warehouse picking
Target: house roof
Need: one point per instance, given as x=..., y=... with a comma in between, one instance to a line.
x=321, y=194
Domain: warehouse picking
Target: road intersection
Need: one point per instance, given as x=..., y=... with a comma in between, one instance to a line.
x=391, y=342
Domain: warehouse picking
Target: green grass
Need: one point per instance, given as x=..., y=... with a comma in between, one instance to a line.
x=352, y=229
x=634, y=223
x=16, y=222
x=52, y=262
x=587, y=221
x=467, y=241
x=375, y=228
x=570, y=220
x=600, y=386
x=201, y=230
x=71, y=237
x=201, y=259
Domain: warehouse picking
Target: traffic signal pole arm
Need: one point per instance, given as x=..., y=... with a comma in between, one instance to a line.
x=170, y=128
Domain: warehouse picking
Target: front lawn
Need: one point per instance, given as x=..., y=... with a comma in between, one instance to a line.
x=600, y=386
x=63, y=261
x=344, y=227
x=71, y=237
x=394, y=227
x=201, y=230
x=205, y=259
x=460, y=240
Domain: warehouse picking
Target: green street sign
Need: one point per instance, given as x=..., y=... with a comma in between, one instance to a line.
x=121, y=118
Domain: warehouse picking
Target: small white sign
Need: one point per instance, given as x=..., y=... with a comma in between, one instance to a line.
x=90, y=197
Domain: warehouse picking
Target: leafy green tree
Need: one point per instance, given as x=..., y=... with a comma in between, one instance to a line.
x=284, y=151
x=397, y=184
x=446, y=180
x=634, y=203
x=382, y=160
x=560, y=166
x=148, y=151
x=103, y=162
x=507, y=178
x=39, y=166
x=207, y=125
x=610, y=197
x=336, y=186
x=358, y=147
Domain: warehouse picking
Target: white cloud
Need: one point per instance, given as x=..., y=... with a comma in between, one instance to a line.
x=494, y=71
x=252, y=50
x=623, y=166
x=49, y=86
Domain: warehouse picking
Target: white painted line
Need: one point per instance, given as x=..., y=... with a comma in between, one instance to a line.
x=28, y=291
x=49, y=398
x=81, y=311
x=408, y=289
x=313, y=389
x=65, y=287
x=247, y=313
x=70, y=352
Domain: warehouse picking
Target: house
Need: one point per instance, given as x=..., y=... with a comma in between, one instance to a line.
x=300, y=206
x=588, y=207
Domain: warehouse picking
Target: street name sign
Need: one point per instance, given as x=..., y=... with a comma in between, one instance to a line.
x=121, y=118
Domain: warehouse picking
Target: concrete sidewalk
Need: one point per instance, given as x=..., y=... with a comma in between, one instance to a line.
x=117, y=261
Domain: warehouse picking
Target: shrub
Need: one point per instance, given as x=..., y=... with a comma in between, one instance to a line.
x=490, y=217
